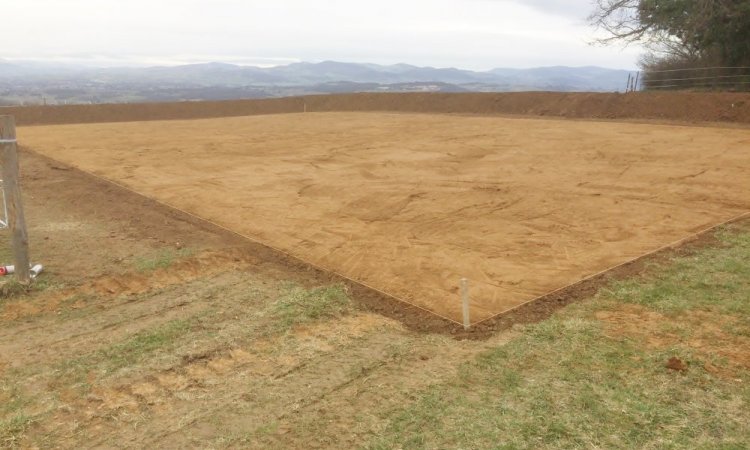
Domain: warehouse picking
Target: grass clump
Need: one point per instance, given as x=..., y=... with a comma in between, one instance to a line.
x=142, y=344
x=127, y=353
x=13, y=429
x=161, y=260
x=12, y=289
x=298, y=305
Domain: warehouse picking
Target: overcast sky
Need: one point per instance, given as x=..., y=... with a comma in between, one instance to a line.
x=472, y=34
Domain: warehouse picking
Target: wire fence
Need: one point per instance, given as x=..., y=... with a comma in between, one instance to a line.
x=692, y=78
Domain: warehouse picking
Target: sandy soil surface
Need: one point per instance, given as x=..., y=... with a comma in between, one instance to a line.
x=109, y=351
x=409, y=204
x=105, y=352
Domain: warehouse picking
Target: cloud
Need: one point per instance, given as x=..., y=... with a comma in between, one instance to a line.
x=474, y=34
x=573, y=9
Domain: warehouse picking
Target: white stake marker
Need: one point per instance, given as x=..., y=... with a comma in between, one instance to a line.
x=465, y=301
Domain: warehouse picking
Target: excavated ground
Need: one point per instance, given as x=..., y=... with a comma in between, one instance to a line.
x=151, y=328
x=410, y=203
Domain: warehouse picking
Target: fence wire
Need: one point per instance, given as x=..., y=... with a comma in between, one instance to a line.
x=691, y=78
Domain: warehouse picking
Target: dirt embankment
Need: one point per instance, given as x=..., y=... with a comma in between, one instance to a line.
x=671, y=106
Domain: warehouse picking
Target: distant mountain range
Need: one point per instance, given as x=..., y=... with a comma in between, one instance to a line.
x=23, y=82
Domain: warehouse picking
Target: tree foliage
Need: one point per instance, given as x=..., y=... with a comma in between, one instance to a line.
x=685, y=30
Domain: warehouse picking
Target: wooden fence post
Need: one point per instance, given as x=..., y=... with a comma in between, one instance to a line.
x=12, y=191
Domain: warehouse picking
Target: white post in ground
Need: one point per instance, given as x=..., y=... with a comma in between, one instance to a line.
x=12, y=192
x=465, y=301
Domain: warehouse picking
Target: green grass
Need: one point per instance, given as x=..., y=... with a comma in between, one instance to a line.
x=12, y=399
x=245, y=439
x=11, y=289
x=79, y=373
x=130, y=352
x=163, y=259
x=13, y=429
x=13, y=421
x=716, y=279
x=297, y=305
x=565, y=383
x=240, y=311
x=142, y=344
x=294, y=306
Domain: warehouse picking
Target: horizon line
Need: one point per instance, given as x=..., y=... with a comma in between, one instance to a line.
x=95, y=62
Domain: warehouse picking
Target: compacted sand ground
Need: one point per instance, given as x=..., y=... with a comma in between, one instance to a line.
x=411, y=203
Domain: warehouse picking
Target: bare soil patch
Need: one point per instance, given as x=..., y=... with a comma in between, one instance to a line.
x=409, y=204
x=703, y=332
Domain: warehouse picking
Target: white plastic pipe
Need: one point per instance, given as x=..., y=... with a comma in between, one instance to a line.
x=465, y=301
x=10, y=270
x=36, y=270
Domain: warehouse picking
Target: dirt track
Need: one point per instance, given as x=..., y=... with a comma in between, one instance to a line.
x=411, y=203
x=670, y=106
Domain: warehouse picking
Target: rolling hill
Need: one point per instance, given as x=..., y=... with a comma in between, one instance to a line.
x=23, y=82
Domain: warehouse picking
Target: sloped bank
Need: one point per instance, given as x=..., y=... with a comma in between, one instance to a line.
x=688, y=107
